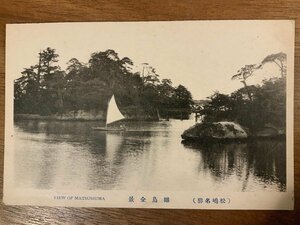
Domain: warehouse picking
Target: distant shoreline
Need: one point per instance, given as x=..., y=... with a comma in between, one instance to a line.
x=52, y=117
x=64, y=118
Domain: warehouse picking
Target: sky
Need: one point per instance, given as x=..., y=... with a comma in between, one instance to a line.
x=201, y=55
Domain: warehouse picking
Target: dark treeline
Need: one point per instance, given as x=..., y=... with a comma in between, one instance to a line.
x=253, y=106
x=45, y=89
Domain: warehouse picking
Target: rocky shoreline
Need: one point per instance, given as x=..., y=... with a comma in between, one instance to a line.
x=225, y=131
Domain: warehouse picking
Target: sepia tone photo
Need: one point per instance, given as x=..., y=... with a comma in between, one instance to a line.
x=185, y=114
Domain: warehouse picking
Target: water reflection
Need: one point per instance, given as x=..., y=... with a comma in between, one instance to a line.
x=265, y=160
x=70, y=155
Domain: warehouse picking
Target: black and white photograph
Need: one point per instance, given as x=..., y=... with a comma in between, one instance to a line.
x=173, y=114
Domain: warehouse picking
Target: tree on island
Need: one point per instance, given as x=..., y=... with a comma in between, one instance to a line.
x=253, y=107
x=39, y=89
x=279, y=59
x=45, y=89
x=244, y=73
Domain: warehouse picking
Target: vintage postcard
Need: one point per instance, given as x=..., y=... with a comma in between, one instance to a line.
x=174, y=114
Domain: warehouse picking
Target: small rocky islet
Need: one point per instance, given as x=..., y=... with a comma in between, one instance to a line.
x=227, y=131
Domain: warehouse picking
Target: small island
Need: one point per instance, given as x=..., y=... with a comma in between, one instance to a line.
x=253, y=111
x=82, y=91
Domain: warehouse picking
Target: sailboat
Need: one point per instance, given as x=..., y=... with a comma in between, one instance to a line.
x=113, y=115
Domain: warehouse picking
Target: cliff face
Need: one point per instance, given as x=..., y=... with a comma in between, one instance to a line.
x=132, y=114
x=71, y=115
x=82, y=115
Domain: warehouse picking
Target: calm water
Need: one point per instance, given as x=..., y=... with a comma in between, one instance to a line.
x=70, y=155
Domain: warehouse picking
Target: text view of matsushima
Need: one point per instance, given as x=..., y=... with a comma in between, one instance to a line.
x=122, y=124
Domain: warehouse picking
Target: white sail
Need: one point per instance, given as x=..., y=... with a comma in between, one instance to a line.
x=113, y=112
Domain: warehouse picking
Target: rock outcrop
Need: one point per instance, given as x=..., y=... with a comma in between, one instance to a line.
x=218, y=131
